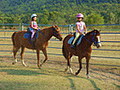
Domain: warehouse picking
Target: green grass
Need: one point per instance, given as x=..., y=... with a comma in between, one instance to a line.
x=49, y=78
x=104, y=72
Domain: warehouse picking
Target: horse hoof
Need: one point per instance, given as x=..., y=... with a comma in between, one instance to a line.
x=13, y=63
x=88, y=76
x=25, y=65
x=39, y=67
x=76, y=74
x=72, y=73
x=65, y=70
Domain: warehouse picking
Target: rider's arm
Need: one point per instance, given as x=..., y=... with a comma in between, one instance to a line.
x=85, y=29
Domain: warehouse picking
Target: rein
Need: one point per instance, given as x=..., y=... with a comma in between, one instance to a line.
x=41, y=32
x=54, y=33
x=93, y=40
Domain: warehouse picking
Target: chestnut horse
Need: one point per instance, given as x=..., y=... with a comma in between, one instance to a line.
x=41, y=43
x=82, y=50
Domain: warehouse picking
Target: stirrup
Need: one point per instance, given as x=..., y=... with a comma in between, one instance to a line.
x=72, y=46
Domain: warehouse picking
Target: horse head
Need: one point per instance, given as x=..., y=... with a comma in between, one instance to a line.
x=96, y=38
x=56, y=32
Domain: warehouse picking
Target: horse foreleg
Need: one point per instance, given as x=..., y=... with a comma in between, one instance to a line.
x=87, y=66
x=45, y=54
x=80, y=66
x=38, y=58
x=15, y=50
x=21, y=54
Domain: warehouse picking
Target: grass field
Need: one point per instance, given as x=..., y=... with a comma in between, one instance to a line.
x=104, y=70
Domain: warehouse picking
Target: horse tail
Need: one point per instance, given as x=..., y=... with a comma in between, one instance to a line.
x=63, y=51
x=13, y=38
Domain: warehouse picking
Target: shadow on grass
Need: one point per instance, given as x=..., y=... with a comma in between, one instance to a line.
x=54, y=71
x=112, y=78
x=71, y=82
x=21, y=72
x=93, y=83
x=106, y=71
x=13, y=85
x=116, y=85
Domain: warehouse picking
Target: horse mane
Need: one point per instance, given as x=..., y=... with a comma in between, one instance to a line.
x=47, y=28
x=92, y=32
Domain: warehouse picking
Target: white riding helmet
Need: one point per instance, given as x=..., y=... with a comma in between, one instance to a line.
x=33, y=15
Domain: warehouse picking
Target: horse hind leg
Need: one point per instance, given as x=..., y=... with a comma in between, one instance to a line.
x=68, y=57
x=21, y=54
x=15, y=50
x=46, y=57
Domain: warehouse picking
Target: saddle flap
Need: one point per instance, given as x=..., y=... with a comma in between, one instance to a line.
x=27, y=35
x=77, y=41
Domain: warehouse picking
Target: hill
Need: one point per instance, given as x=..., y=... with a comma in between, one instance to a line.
x=62, y=8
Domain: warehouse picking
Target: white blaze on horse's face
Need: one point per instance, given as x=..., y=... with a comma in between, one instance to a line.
x=99, y=43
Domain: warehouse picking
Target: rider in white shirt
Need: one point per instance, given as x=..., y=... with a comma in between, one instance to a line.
x=80, y=25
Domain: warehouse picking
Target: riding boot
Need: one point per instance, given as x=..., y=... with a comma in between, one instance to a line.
x=76, y=35
x=72, y=46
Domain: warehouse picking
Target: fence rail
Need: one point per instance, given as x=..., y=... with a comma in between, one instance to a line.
x=68, y=27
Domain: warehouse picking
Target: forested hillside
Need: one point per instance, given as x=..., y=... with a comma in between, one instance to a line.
x=60, y=11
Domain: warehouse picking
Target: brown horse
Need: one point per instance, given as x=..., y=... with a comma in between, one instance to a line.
x=82, y=50
x=41, y=42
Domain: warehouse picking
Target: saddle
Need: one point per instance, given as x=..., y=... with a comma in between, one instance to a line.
x=78, y=41
x=27, y=35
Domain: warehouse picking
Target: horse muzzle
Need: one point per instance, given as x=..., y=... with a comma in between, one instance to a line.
x=60, y=39
x=98, y=45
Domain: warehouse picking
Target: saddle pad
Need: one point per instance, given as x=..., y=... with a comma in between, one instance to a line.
x=27, y=35
x=78, y=40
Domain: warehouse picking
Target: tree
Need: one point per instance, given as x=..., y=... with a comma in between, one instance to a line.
x=44, y=19
x=118, y=18
x=110, y=18
x=94, y=18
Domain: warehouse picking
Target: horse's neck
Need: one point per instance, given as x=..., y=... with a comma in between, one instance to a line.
x=88, y=40
x=47, y=33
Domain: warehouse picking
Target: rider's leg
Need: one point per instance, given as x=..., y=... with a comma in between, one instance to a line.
x=76, y=37
x=32, y=34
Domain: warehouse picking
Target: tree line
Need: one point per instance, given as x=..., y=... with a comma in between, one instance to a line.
x=60, y=11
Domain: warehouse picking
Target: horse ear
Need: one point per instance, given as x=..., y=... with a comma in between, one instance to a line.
x=53, y=26
x=94, y=31
x=56, y=26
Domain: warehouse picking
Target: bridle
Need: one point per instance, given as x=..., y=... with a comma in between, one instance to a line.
x=93, y=39
x=54, y=33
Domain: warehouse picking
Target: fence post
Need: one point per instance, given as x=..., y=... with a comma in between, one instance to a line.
x=19, y=26
x=71, y=28
x=22, y=26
